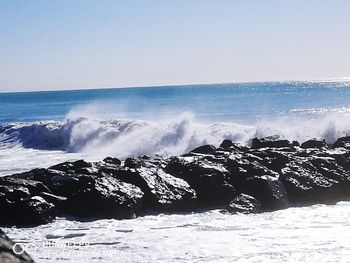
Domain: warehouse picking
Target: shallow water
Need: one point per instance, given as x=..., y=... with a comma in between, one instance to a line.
x=318, y=233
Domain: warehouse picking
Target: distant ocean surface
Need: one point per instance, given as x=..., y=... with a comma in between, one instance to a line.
x=40, y=129
x=245, y=102
x=92, y=124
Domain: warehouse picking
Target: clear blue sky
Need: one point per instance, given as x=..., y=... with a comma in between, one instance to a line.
x=86, y=44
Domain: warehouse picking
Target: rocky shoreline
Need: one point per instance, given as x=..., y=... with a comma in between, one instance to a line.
x=271, y=174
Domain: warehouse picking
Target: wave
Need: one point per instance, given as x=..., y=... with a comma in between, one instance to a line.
x=124, y=137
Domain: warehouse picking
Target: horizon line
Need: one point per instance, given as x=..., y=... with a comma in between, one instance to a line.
x=335, y=79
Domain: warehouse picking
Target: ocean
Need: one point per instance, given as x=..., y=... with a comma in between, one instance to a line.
x=39, y=129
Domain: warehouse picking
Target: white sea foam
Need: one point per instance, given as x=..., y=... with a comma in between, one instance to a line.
x=318, y=233
x=124, y=137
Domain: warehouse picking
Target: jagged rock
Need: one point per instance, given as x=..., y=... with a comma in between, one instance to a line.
x=79, y=166
x=7, y=255
x=19, y=209
x=316, y=180
x=271, y=142
x=318, y=143
x=103, y=197
x=243, y=204
x=163, y=192
x=74, y=194
x=205, y=149
x=252, y=178
x=111, y=160
x=208, y=179
x=295, y=143
x=34, y=187
x=342, y=142
x=228, y=145
x=132, y=162
x=273, y=174
x=20, y=204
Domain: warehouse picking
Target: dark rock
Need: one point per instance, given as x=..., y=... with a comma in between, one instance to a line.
x=208, y=179
x=272, y=159
x=43, y=176
x=111, y=160
x=268, y=190
x=103, y=197
x=243, y=204
x=163, y=192
x=295, y=143
x=71, y=166
x=205, y=149
x=342, y=142
x=318, y=143
x=248, y=175
x=7, y=255
x=67, y=193
x=34, y=187
x=273, y=174
x=226, y=144
x=19, y=209
x=132, y=162
x=271, y=142
x=21, y=205
x=316, y=180
x=53, y=199
x=91, y=194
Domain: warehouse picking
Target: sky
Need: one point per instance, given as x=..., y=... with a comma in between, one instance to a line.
x=61, y=44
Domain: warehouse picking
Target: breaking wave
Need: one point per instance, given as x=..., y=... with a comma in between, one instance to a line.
x=124, y=137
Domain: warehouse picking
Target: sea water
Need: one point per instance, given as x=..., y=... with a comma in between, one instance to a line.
x=39, y=129
x=93, y=124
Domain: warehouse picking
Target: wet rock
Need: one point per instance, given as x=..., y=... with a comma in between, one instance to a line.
x=272, y=159
x=69, y=193
x=316, y=180
x=111, y=160
x=77, y=166
x=318, y=143
x=263, y=184
x=273, y=174
x=295, y=143
x=34, y=187
x=271, y=142
x=228, y=145
x=205, y=149
x=103, y=197
x=20, y=204
x=342, y=142
x=7, y=255
x=163, y=192
x=53, y=199
x=19, y=209
x=268, y=190
x=243, y=203
x=208, y=179
x=249, y=176
x=132, y=162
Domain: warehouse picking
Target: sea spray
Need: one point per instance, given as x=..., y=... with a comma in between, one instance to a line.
x=124, y=137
